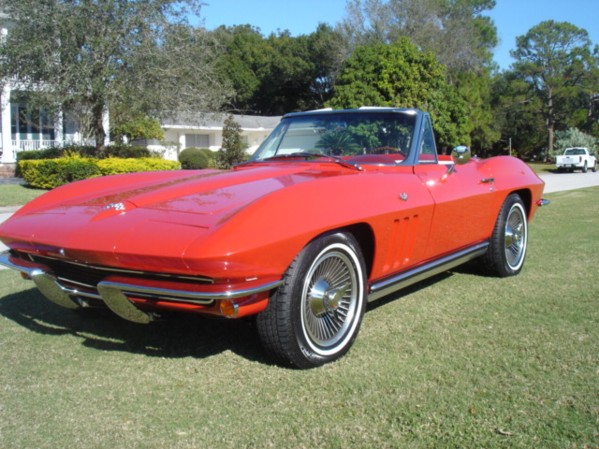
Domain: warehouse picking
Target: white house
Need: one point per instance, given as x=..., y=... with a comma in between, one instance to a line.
x=22, y=129
x=206, y=131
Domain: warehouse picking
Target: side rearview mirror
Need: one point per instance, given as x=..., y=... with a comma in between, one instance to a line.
x=460, y=154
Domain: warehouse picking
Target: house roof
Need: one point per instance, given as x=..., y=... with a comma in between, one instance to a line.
x=216, y=121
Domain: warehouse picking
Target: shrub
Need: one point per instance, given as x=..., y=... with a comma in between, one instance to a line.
x=196, y=158
x=49, y=153
x=82, y=150
x=232, y=151
x=113, y=166
x=124, y=151
x=50, y=173
x=573, y=137
x=115, y=150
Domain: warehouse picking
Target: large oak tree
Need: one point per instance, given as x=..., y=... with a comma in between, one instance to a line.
x=558, y=71
x=456, y=31
x=133, y=57
x=401, y=75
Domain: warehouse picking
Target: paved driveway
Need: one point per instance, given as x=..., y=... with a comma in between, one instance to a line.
x=555, y=182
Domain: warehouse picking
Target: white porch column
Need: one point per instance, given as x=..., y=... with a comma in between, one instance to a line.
x=182, y=142
x=59, y=128
x=8, y=154
x=106, y=125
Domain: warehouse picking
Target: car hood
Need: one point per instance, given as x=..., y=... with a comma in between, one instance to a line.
x=153, y=214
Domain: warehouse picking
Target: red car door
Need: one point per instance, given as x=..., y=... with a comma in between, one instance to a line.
x=463, y=211
x=463, y=206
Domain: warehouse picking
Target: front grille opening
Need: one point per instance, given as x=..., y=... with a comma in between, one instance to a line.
x=88, y=276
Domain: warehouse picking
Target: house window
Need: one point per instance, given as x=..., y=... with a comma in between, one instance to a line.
x=47, y=126
x=31, y=124
x=197, y=140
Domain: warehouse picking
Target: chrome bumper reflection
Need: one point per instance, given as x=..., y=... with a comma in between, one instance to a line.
x=114, y=294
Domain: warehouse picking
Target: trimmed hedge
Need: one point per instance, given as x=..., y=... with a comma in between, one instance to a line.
x=115, y=150
x=51, y=173
x=114, y=166
x=86, y=151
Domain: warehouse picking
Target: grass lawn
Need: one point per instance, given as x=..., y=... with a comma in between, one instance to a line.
x=541, y=168
x=462, y=361
x=17, y=195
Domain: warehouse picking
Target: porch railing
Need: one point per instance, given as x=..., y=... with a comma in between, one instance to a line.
x=28, y=145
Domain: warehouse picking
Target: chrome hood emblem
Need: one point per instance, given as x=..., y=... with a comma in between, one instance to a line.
x=115, y=206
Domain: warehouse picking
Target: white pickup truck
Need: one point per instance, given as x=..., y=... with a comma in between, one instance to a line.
x=577, y=158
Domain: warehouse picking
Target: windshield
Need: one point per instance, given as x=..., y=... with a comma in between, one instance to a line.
x=341, y=135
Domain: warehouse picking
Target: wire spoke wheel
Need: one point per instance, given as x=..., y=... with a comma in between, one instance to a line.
x=515, y=236
x=507, y=245
x=315, y=316
x=330, y=299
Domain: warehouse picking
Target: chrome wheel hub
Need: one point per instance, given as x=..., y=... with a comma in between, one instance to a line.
x=325, y=299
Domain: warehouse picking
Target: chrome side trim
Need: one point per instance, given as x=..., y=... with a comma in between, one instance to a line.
x=407, y=278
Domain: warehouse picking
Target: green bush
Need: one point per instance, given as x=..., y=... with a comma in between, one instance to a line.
x=124, y=151
x=51, y=173
x=114, y=166
x=115, y=150
x=196, y=158
x=49, y=153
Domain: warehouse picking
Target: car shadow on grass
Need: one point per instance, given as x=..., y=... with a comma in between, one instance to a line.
x=177, y=336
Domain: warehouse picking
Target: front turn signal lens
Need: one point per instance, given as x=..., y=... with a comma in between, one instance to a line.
x=228, y=308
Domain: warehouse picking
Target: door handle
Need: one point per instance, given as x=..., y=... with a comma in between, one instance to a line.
x=487, y=180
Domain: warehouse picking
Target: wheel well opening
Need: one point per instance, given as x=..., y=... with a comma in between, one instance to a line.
x=365, y=237
x=527, y=199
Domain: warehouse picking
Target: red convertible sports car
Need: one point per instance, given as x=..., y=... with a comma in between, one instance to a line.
x=336, y=208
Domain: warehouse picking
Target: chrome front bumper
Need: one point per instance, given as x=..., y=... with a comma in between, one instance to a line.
x=115, y=294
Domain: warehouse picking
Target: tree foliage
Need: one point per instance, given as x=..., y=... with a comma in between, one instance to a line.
x=573, y=137
x=515, y=117
x=558, y=73
x=279, y=73
x=138, y=127
x=454, y=30
x=93, y=55
x=400, y=75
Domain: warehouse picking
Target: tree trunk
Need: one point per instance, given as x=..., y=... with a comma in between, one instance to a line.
x=550, y=121
x=551, y=132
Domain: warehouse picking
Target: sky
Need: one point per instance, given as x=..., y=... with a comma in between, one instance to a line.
x=511, y=17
